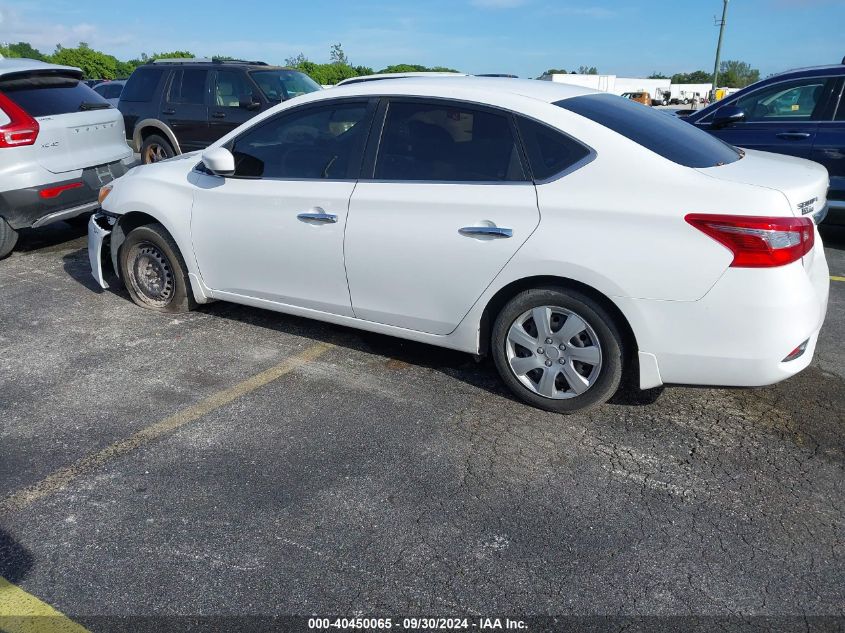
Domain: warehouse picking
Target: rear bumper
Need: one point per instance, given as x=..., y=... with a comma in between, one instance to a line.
x=738, y=334
x=25, y=207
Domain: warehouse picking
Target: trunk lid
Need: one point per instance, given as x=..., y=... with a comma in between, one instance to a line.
x=77, y=127
x=802, y=182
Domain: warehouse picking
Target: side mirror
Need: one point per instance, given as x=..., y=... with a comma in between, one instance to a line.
x=249, y=103
x=219, y=161
x=727, y=115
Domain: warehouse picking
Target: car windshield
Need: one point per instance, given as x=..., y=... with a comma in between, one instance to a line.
x=278, y=85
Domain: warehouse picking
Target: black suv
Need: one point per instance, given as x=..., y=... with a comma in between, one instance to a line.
x=171, y=106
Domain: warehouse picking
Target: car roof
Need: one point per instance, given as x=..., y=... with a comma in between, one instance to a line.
x=14, y=65
x=546, y=91
x=382, y=76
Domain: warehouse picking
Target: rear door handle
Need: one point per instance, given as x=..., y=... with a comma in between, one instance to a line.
x=324, y=218
x=219, y=115
x=794, y=136
x=485, y=231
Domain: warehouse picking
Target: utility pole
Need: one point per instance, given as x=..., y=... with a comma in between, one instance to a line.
x=721, y=24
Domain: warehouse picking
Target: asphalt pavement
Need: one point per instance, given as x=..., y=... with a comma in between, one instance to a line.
x=236, y=461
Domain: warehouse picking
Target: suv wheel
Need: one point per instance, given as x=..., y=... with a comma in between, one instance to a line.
x=8, y=238
x=558, y=350
x=155, y=148
x=153, y=270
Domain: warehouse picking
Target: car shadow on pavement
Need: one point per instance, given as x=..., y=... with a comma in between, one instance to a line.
x=479, y=373
x=51, y=237
x=15, y=559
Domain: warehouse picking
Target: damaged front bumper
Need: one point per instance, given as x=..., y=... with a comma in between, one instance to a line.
x=99, y=229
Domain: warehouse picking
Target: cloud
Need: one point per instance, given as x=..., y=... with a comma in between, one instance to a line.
x=599, y=13
x=498, y=4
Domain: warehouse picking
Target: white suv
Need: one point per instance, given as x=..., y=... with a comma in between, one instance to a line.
x=59, y=143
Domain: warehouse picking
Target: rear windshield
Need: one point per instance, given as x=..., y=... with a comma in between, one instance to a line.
x=142, y=84
x=278, y=85
x=47, y=95
x=658, y=131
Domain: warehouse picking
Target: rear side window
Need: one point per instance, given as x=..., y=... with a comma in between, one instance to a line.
x=188, y=87
x=550, y=151
x=142, y=85
x=109, y=91
x=663, y=134
x=447, y=142
x=47, y=95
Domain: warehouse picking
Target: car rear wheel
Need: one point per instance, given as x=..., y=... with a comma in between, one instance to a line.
x=8, y=238
x=155, y=149
x=558, y=349
x=153, y=270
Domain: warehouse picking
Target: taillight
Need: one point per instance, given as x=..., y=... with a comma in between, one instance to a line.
x=758, y=242
x=21, y=129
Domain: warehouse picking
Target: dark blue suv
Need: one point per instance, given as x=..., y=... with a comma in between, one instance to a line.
x=799, y=112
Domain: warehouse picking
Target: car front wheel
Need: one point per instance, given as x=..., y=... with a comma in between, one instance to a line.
x=558, y=349
x=153, y=271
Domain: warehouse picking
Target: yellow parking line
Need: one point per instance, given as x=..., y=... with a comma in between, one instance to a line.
x=21, y=612
x=835, y=278
x=63, y=476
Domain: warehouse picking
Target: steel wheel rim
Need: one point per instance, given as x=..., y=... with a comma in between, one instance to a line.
x=554, y=352
x=154, y=153
x=151, y=274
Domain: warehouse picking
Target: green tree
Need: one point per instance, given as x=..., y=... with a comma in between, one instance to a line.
x=296, y=60
x=169, y=55
x=553, y=71
x=94, y=64
x=415, y=68
x=695, y=77
x=588, y=70
x=23, y=49
x=656, y=75
x=337, y=56
x=737, y=74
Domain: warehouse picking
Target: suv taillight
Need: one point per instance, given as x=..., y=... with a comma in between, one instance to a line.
x=21, y=129
x=758, y=242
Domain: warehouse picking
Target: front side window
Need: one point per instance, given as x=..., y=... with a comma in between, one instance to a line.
x=319, y=143
x=793, y=101
x=550, y=151
x=231, y=87
x=188, y=87
x=668, y=136
x=448, y=142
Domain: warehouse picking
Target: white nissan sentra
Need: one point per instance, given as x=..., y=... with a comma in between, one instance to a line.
x=576, y=237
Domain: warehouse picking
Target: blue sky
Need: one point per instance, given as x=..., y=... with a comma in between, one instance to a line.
x=522, y=37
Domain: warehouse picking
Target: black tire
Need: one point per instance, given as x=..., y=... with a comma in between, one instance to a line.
x=605, y=378
x=153, y=270
x=8, y=238
x=156, y=148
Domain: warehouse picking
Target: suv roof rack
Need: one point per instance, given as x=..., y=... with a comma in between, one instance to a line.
x=206, y=60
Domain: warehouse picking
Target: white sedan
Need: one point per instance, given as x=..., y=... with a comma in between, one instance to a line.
x=576, y=237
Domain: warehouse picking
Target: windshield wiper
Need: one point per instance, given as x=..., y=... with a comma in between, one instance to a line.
x=89, y=105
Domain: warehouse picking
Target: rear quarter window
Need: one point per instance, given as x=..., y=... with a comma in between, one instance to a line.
x=48, y=95
x=142, y=85
x=550, y=151
x=662, y=133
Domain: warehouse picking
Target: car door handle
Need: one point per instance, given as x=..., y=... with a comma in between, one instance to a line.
x=485, y=231
x=325, y=218
x=219, y=115
x=168, y=111
x=795, y=136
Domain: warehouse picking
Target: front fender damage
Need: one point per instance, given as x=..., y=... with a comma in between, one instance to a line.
x=100, y=227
